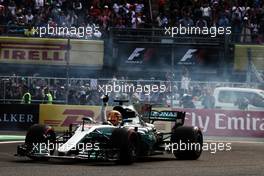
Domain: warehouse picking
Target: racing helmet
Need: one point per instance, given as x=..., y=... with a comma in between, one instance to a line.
x=114, y=117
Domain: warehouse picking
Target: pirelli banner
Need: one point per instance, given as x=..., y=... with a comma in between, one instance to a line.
x=46, y=51
x=242, y=54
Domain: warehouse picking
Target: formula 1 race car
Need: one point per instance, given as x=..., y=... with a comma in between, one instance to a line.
x=123, y=142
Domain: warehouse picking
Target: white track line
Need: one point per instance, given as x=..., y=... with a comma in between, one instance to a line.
x=11, y=142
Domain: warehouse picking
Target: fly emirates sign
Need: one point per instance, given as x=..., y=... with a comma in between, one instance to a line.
x=227, y=123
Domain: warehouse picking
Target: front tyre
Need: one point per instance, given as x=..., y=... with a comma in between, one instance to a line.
x=37, y=140
x=126, y=141
x=189, y=142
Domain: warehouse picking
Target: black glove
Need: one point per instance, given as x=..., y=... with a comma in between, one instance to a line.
x=105, y=98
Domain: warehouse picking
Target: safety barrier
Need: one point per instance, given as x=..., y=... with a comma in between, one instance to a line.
x=18, y=117
x=226, y=123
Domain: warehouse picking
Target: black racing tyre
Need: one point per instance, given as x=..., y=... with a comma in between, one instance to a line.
x=188, y=142
x=36, y=136
x=126, y=141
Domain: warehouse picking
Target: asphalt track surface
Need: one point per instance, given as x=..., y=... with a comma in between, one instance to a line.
x=244, y=159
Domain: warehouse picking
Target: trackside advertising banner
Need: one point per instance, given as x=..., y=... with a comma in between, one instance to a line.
x=18, y=117
x=241, y=56
x=227, y=123
x=61, y=116
x=138, y=56
x=212, y=122
x=46, y=51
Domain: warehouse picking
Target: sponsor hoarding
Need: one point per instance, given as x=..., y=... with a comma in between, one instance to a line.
x=61, y=116
x=18, y=117
x=156, y=57
x=228, y=123
x=46, y=51
x=242, y=55
x=87, y=53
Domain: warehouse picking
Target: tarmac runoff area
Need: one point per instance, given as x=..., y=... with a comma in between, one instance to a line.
x=246, y=158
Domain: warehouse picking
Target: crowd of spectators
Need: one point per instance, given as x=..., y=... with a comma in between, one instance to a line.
x=246, y=17
x=80, y=91
x=87, y=91
x=76, y=13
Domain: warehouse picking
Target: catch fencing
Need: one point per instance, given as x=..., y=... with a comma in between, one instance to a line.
x=87, y=91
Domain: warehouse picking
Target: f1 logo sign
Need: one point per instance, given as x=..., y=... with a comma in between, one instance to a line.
x=135, y=53
x=188, y=55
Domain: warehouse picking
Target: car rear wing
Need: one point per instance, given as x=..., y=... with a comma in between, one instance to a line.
x=167, y=115
x=171, y=116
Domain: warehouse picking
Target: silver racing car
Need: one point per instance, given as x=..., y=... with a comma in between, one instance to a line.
x=121, y=136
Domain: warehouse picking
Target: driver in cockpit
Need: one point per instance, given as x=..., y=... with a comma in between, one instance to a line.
x=114, y=117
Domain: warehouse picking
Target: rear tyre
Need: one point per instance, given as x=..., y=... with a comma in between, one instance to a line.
x=37, y=140
x=189, y=143
x=126, y=141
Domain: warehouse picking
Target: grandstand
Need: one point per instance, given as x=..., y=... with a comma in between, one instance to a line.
x=126, y=39
x=245, y=17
